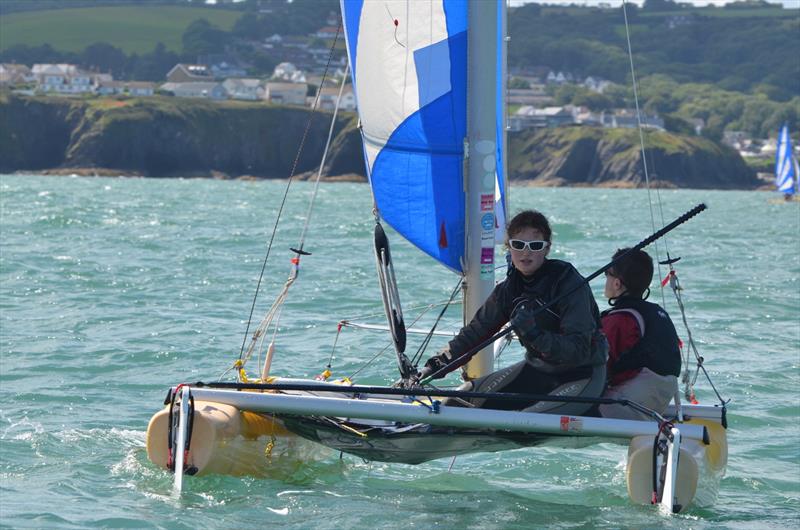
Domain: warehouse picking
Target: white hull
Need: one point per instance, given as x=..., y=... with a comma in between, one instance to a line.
x=237, y=433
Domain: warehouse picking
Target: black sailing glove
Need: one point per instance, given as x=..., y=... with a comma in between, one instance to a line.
x=523, y=321
x=433, y=365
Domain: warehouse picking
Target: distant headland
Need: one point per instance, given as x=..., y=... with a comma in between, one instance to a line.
x=173, y=137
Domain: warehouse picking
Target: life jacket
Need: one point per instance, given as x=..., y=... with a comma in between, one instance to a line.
x=659, y=348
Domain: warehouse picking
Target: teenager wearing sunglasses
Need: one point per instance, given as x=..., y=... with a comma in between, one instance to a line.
x=645, y=356
x=562, y=343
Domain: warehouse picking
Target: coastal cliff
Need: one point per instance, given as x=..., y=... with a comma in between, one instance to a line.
x=164, y=137
x=592, y=156
x=161, y=137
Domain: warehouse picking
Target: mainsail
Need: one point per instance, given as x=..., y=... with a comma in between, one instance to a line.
x=409, y=67
x=785, y=164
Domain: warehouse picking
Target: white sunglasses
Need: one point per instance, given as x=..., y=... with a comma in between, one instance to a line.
x=534, y=246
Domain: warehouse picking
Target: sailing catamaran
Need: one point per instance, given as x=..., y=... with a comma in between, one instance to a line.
x=435, y=154
x=787, y=173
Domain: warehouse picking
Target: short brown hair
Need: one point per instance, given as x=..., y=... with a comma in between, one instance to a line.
x=635, y=271
x=529, y=219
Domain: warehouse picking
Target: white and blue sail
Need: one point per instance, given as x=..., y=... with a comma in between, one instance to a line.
x=785, y=164
x=409, y=68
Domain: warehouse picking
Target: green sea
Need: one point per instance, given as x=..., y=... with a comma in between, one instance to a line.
x=114, y=289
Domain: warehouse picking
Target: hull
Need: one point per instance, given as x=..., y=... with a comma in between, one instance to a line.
x=258, y=433
x=793, y=198
x=228, y=441
x=700, y=468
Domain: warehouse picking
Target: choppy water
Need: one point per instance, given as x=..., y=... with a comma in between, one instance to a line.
x=111, y=290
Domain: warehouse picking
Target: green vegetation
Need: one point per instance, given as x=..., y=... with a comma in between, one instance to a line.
x=734, y=68
x=761, y=164
x=129, y=28
x=743, y=48
x=680, y=103
x=592, y=156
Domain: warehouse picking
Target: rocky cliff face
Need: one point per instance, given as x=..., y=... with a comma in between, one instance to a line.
x=162, y=137
x=594, y=156
x=35, y=133
x=179, y=138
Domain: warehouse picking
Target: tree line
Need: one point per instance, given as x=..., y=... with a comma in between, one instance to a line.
x=733, y=72
x=755, y=54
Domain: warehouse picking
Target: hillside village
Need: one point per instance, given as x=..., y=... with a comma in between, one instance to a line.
x=298, y=81
x=291, y=85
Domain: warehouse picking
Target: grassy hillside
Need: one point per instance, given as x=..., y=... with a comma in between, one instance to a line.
x=777, y=11
x=133, y=29
x=745, y=50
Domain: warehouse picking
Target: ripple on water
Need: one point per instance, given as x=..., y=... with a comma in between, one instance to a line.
x=113, y=289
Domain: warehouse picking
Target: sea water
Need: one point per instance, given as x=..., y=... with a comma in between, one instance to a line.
x=113, y=289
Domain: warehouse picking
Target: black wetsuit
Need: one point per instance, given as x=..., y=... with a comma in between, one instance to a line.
x=567, y=348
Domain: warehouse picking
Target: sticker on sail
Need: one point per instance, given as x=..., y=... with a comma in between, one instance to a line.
x=487, y=221
x=570, y=424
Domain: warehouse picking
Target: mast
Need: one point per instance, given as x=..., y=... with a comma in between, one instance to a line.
x=482, y=41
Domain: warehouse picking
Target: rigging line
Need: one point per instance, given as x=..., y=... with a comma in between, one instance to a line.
x=381, y=352
x=286, y=193
x=641, y=140
x=426, y=307
x=324, y=156
x=675, y=287
x=424, y=344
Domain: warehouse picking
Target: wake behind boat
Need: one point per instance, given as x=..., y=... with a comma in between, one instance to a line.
x=435, y=154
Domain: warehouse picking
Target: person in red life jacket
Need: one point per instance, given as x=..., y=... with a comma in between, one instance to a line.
x=644, y=357
x=563, y=343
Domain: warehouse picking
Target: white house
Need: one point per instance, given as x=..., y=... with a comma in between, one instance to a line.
x=328, y=96
x=286, y=93
x=126, y=88
x=15, y=74
x=528, y=117
x=208, y=90
x=64, y=79
x=558, y=78
x=595, y=84
x=288, y=72
x=244, y=88
x=584, y=116
x=626, y=119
